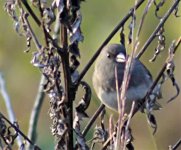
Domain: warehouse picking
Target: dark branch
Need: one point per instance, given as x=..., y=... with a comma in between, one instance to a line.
x=174, y=147
x=92, y=120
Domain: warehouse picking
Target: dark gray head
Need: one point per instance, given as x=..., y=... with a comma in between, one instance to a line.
x=114, y=52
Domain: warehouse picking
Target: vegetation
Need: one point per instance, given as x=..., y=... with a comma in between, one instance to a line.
x=54, y=31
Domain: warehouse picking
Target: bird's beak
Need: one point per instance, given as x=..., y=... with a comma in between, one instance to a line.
x=120, y=58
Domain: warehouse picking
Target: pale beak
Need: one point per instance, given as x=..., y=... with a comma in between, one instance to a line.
x=120, y=58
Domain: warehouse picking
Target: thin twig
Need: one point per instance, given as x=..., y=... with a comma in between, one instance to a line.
x=92, y=120
x=174, y=147
x=128, y=122
x=43, y=25
x=35, y=39
x=31, y=12
x=121, y=104
x=162, y=21
x=104, y=147
x=8, y=104
x=143, y=17
x=32, y=132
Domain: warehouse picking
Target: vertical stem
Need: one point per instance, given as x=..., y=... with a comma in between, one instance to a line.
x=33, y=122
x=67, y=81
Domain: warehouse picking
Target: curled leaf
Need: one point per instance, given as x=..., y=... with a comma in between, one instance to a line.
x=158, y=6
x=122, y=36
x=161, y=44
x=48, y=18
x=170, y=66
x=10, y=8
x=75, y=32
x=100, y=135
x=85, y=100
x=81, y=142
x=131, y=29
x=176, y=11
x=74, y=63
x=152, y=122
x=73, y=48
x=79, y=114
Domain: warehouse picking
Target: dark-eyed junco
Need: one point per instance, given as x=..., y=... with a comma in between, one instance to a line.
x=114, y=55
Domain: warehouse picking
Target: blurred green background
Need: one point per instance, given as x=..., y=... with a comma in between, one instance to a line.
x=99, y=19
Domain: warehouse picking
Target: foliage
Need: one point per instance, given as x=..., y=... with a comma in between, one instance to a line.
x=57, y=59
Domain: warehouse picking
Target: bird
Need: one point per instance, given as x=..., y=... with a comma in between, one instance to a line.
x=104, y=80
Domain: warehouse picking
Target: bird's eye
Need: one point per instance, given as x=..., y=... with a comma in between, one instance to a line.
x=108, y=55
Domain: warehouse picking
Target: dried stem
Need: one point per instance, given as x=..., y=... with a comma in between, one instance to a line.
x=68, y=84
x=143, y=17
x=121, y=106
x=104, y=147
x=35, y=39
x=31, y=12
x=43, y=25
x=92, y=119
x=32, y=133
x=174, y=147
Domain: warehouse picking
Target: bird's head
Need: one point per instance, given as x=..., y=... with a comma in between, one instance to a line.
x=114, y=52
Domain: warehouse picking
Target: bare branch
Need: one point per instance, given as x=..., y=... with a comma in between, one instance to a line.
x=92, y=120
x=174, y=147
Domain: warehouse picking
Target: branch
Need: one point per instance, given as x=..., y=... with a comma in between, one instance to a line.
x=31, y=12
x=9, y=107
x=35, y=39
x=92, y=119
x=174, y=147
x=32, y=133
x=67, y=81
